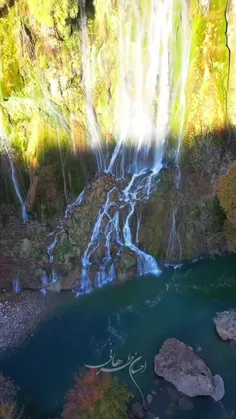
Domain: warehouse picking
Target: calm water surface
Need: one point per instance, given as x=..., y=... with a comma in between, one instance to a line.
x=132, y=318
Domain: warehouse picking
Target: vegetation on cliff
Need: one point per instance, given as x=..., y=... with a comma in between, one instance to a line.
x=227, y=194
x=43, y=108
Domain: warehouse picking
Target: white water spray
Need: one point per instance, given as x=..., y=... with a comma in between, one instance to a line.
x=94, y=132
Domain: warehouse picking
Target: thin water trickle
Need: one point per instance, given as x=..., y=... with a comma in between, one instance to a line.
x=186, y=40
x=62, y=168
x=4, y=140
x=174, y=241
x=16, y=286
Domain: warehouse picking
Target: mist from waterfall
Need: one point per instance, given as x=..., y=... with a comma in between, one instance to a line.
x=141, y=119
x=146, y=88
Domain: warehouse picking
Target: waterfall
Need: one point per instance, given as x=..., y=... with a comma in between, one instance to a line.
x=185, y=48
x=3, y=139
x=94, y=132
x=141, y=128
x=174, y=241
x=142, y=123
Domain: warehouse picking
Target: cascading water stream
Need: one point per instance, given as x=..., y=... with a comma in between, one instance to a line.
x=3, y=139
x=62, y=167
x=145, y=88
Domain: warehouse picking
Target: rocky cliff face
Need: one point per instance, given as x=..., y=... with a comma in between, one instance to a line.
x=231, y=43
x=43, y=112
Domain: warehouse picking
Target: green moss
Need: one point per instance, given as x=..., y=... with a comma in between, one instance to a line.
x=53, y=13
x=208, y=71
x=62, y=250
x=11, y=80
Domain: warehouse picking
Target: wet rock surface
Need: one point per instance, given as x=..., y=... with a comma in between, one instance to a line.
x=28, y=273
x=77, y=230
x=181, y=366
x=225, y=322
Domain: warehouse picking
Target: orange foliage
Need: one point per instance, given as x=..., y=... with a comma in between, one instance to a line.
x=227, y=194
x=89, y=389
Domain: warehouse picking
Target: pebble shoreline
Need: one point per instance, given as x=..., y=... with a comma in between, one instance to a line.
x=20, y=315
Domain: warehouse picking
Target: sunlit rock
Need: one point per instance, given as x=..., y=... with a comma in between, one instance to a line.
x=181, y=366
x=225, y=322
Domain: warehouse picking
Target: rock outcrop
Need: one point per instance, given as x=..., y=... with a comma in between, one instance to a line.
x=78, y=227
x=181, y=366
x=225, y=322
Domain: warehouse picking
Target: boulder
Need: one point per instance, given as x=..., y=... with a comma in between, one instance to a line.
x=219, y=388
x=181, y=366
x=225, y=322
x=25, y=248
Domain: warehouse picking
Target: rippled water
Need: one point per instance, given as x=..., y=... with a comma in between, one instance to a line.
x=132, y=318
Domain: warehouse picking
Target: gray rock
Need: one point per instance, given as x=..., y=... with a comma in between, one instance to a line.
x=219, y=388
x=181, y=366
x=226, y=324
x=138, y=410
x=25, y=248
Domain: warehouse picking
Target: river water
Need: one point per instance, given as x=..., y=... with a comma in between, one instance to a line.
x=134, y=318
